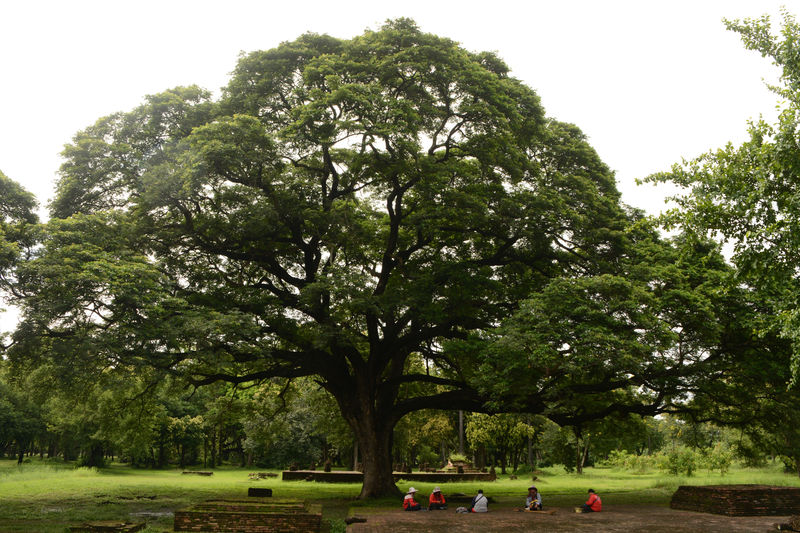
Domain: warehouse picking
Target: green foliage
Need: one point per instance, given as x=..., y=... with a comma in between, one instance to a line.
x=18, y=234
x=680, y=460
x=640, y=464
x=457, y=457
x=747, y=194
x=21, y=419
x=719, y=458
x=296, y=422
x=428, y=455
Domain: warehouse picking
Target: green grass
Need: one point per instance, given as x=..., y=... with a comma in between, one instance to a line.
x=46, y=497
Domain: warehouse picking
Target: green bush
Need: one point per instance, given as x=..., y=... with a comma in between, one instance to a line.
x=720, y=457
x=523, y=469
x=427, y=455
x=631, y=462
x=680, y=460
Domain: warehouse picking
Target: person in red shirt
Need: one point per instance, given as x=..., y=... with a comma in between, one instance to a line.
x=436, y=501
x=409, y=504
x=593, y=504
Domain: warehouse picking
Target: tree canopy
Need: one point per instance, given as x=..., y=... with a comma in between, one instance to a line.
x=17, y=230
x=747, y=194
x=348, y=209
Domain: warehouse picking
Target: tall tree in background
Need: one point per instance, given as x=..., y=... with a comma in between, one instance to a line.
x=346, y=209
x=17, y=231
x=748, y=194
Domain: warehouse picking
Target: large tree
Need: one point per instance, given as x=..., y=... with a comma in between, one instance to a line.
x=345, y=208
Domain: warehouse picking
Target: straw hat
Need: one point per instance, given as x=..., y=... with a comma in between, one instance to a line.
x=412, y=489
x=437, y=489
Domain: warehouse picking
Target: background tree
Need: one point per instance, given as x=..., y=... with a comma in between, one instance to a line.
x=22, y=420
x=18, y=223
x=747, y=194
x=502, y=435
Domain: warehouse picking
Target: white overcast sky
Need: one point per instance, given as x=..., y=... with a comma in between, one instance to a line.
x=649, y=82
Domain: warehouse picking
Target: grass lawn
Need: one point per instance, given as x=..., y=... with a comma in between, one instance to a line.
x=45, y=498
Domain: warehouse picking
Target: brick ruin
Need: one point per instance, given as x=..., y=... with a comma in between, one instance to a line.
x=738, y=500
x=249, y=516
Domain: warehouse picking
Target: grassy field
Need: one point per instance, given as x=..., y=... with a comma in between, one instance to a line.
x=40, y=497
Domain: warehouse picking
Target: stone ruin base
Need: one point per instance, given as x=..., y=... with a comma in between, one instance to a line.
x=107, y=526
x=249, y=516
x=738, y=500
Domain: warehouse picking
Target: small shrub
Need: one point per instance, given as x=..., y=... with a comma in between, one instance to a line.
x=523, y=469
x=720, y=457
x=679, y=460
x=427, y=455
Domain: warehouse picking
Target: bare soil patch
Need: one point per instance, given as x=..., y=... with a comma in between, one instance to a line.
x=617, y=518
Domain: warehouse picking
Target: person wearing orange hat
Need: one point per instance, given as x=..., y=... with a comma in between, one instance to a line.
x=436, y=500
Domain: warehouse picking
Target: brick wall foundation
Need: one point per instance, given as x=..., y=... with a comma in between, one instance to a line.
x=738, y=500
x=247, y=516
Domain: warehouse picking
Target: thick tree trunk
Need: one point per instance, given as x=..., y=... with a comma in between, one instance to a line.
x=213, y=448
x=481, y=459
x=94, y=456
x=375, y=447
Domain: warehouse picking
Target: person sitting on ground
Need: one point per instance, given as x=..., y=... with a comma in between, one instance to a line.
x=479, y=503
x=409, y=504
x=436, y=501
x=534, y=500
x=593, y=504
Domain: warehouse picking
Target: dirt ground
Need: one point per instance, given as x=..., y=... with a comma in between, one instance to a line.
x=645, y=518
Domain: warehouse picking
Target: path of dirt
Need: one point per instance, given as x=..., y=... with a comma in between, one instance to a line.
x=619, y=518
